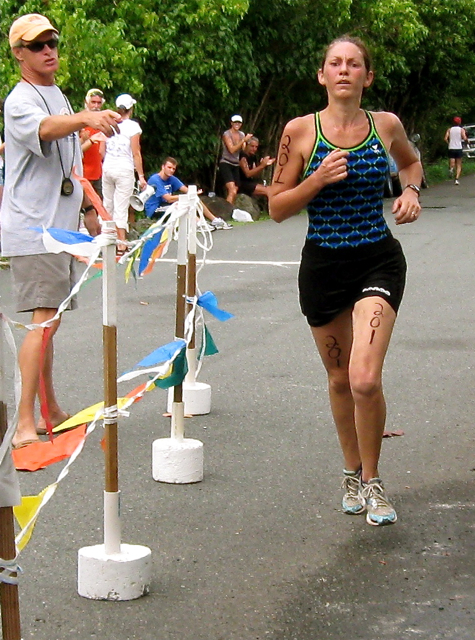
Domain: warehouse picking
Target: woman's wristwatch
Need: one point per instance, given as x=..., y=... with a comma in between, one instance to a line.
x=414, y=187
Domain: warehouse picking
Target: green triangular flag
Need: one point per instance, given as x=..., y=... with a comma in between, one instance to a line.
x=179, y=371
x=208, y=346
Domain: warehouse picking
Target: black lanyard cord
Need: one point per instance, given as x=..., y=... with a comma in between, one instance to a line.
x=57, y=145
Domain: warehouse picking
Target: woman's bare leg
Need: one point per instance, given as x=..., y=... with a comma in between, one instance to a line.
x=231, y=190
x=373, y=322
x=334, y=342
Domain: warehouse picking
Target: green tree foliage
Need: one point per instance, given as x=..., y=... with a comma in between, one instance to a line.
x=192, y=63
x=93, y=52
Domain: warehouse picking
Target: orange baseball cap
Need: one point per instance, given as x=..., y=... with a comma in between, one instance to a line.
x=29, y=27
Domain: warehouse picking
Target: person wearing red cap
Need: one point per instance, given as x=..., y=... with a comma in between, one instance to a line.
x=455, y=136
x=41, y=150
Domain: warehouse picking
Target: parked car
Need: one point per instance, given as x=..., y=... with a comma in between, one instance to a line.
x=469, y=146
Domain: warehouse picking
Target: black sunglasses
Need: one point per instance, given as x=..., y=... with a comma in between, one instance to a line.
x=38, y=45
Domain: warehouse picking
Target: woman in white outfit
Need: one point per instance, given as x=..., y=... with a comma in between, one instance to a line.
x=121, y=158
x=455, y=136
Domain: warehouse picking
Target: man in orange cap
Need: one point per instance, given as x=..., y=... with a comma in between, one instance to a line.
x=41, y=150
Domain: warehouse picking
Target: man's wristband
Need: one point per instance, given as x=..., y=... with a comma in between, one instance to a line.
x=91, y=207
x=414, y=187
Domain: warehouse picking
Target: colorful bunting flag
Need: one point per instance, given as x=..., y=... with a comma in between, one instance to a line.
x=27, y=512
x=208, y=301
x=59, y=240
x=178, y=373
x=162, y=354
x=148, y=248
x=41, y=454
x=208, y=346
x=92, y=195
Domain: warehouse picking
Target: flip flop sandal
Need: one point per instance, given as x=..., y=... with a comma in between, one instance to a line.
x=25, y=443
x=44, y=432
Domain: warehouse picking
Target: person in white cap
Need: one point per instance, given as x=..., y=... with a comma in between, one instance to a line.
x=234, y=141
x=41, y=150
x=122, y=157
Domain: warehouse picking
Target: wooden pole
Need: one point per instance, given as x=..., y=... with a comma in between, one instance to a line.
x=112, y=530
x=10, y=604
x=178, y=422
x=9, y=600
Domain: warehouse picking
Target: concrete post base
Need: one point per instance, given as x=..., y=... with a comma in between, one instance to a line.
x=119, y=576
x=196, y=397
x=177, y=462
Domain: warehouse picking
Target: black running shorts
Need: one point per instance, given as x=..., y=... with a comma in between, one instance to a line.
x=229, y=173
x=332, y=280
x=248, y=187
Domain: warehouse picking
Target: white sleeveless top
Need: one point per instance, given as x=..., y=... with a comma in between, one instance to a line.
x=455, y=137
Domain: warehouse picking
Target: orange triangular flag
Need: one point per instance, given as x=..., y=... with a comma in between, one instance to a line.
x=41, y=454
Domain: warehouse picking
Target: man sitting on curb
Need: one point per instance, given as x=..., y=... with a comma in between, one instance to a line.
x=166, y=184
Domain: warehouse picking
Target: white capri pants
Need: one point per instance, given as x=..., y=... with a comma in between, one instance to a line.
x=117, y=187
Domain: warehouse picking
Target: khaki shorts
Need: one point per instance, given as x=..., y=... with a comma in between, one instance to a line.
x=43, y=281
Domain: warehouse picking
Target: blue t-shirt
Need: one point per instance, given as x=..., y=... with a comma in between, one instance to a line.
x=162, y=187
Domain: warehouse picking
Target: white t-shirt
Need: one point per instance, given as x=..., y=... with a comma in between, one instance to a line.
x=33, y=173
x=118, y=149
x=1, y=156
x=455, y=137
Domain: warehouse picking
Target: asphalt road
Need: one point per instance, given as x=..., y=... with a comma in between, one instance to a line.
x=260, y=550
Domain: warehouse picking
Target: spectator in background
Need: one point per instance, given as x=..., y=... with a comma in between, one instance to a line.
x=234, y=141
x=122, y=156
x=454, y=136
x=250, y=168
x=166, y=184
x=92, y=143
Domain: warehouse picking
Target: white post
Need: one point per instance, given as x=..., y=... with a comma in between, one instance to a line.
x=191, y=281
x=178, y=460
x=196, y=395
x=112, y=571
x=112, y=529
x=178, y=412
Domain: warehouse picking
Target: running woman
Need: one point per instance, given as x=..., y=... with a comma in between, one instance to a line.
x=352, y=272
x=455, y=136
